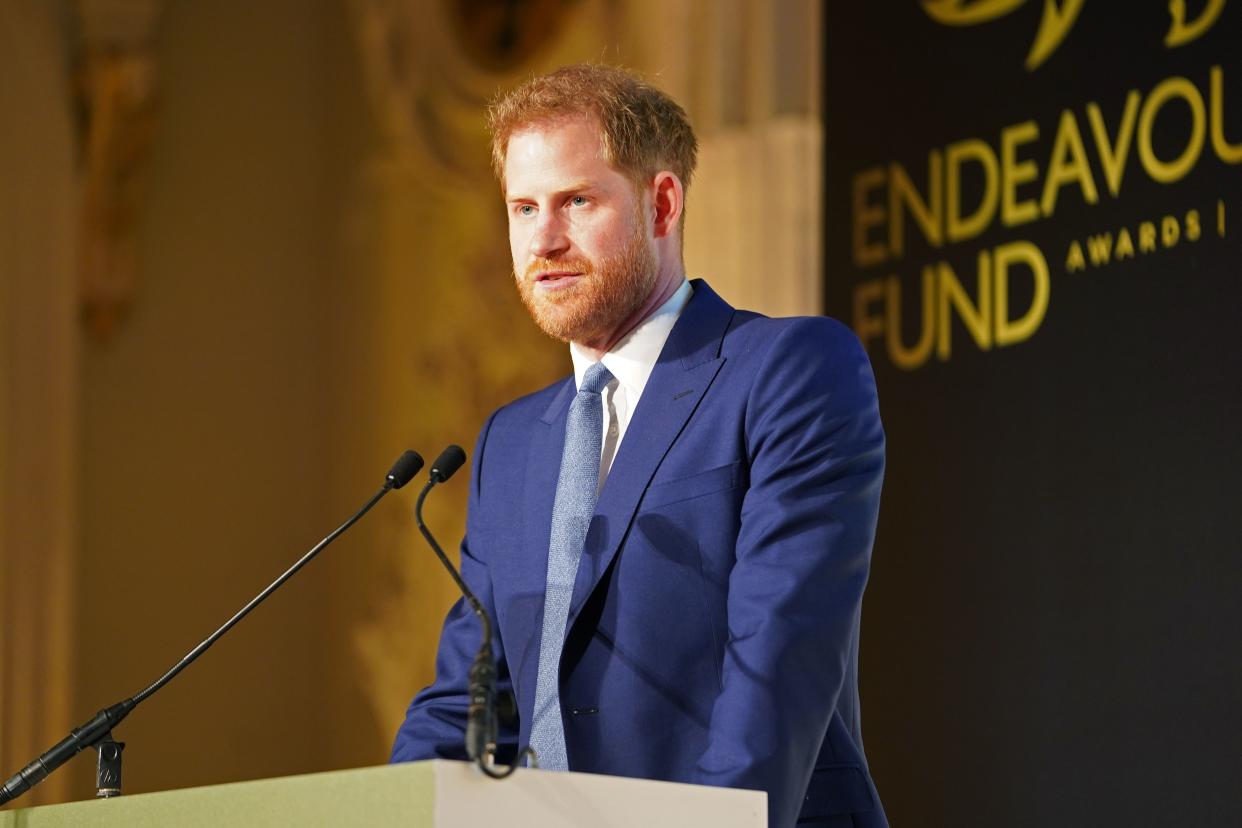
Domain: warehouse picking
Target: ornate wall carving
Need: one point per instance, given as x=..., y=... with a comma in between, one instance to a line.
x=116, y=89
x=424, y=219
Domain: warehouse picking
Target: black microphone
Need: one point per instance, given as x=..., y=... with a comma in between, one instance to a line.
x=481, y=721
x=447, y=464
x=405, y=468
x=98, y=729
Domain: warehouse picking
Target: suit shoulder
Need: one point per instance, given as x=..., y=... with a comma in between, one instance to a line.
x=810, y=337
x=505, y=431
x=809, y=363
x=529, y=405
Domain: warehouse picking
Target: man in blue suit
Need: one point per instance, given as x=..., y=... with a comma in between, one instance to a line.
x=673, y=542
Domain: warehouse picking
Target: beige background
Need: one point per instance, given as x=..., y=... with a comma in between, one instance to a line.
x=320, y=281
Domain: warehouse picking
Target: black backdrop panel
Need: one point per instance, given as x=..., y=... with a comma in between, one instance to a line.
x=1052, y=630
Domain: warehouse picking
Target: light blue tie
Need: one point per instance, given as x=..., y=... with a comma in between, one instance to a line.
x=576, y=491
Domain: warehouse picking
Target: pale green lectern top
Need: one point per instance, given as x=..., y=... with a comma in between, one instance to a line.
x=435, y=794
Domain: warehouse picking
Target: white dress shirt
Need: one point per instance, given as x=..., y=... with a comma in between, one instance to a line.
x=630, y=362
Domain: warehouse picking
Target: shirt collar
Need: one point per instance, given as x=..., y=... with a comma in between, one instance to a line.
x=632, y=359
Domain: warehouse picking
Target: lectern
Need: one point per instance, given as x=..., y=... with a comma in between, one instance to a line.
x=434, y=794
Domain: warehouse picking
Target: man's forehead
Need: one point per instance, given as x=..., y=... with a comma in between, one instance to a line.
x=565, y=145
x=562, y=133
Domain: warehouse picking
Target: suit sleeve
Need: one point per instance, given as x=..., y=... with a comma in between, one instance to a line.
x=816, y=449
x=435, y=723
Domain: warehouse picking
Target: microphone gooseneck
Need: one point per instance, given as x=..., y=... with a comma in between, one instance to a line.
x=98, y=729
x=481, y=717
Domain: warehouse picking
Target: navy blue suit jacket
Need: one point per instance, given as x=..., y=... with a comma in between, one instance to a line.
x=713, y=632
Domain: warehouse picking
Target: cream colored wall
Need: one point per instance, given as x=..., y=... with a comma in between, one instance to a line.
x=204, y=468
x=748, y=73
x=37, y=389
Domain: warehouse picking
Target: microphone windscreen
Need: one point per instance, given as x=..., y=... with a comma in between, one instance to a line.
x=404, y=469
x=447, y=464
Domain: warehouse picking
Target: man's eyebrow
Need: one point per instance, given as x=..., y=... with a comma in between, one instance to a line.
x=576, y=187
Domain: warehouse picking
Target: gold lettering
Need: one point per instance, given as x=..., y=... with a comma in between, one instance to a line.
x=1053, y=27
x=976, y=319
x=1147, y=237
x=1169, y=231
x=866, y=325
x=1057, y=20
x=1220, y=217
x=1007, y=332
x=963, y=13
x=1013, y=173
x=1193, y=228
x=901, y=192
x=1113, y=154
x=1060, y=171
x=1099, y=248
x=866, y=216
x=1074, y=260
x=1166, y=172
x=1125, y=246
x=910, y=358
x=964, y=227
x=1181, y=32
x=1229, y=153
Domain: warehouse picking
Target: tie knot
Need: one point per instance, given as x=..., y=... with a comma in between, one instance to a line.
x=595, y=378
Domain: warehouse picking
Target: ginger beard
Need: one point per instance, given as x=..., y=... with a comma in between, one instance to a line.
x=609, y=292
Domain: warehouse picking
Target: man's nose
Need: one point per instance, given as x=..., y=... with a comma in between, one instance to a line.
x=549, y=239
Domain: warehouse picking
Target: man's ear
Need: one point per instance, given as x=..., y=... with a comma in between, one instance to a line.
x=668, y=198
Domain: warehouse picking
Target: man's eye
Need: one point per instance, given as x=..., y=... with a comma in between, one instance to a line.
x=578, y=201
x=525, y=210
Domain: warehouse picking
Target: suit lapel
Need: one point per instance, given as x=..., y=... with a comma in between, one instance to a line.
x=687, y=365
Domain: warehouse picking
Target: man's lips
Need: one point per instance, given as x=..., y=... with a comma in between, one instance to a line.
x=556, y=279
